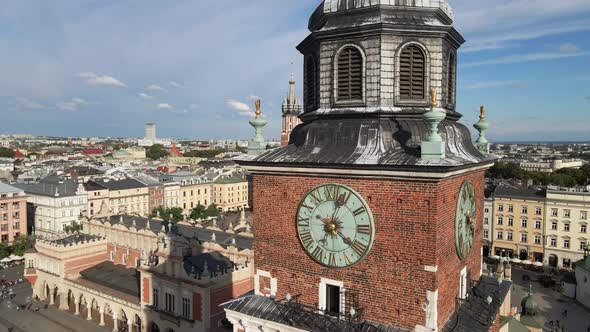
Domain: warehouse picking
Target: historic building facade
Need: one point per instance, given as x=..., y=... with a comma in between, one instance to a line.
x=519, y=222
x=135, y=274
x=13, y=213
x=230, y=192
x=371, y=218
x=566, y=227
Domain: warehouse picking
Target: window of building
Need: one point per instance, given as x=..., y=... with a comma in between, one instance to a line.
x=583, y=215
x=509, y=236
x=485, y=220
x=566, y=244
x=486, y=210
x=553, y=242
x=155, y=297
x=524, y=210
x=537, y=224
x=4, y=227
x=486, y=234
x=500, y=207
x=332, y=300
x=412, y=74
x=554, y=212
x=15, y=206
x=554, y=225
x=583, y=228
x=451, y=79
x=566, y=227
x=510, y=208
x=500, y=220
x=538, y=211
x=524, y=223
x=169, y=305
x=349, y=78
x=523, y=237
x=537, y=239
x=582, y=245
x=186, y=307
x=567, y=213
x=510, y=221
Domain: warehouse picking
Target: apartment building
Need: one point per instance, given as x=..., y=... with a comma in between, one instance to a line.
x=566, y=227
x=488, y=217
x=55, y=203
x=230, y=192
x=171, y=195
x=518, y=222
x=126, y=196
x=13, y=213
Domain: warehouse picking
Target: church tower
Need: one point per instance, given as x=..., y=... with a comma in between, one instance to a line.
x=291, y=112
x=370, y=219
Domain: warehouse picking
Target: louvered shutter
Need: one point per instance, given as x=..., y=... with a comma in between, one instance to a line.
x=412, y=73
x=350, y=75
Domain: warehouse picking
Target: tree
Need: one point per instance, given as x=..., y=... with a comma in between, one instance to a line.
x=6, y=153
x=3, y=250
x=19, y=246
x=73, y=228
x=199, y=212
x=212, y=211
x=207, y=154
x=171, y=214
x=156, y=152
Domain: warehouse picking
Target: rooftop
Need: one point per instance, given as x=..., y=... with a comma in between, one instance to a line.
x=51, y=186
x=505, y=189
x=117, y=277
x=227, y=179
x=122, y=184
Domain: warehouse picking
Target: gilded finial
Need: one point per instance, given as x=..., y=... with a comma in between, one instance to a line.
x=434, y=102
x=258, y=112
x=482, y=112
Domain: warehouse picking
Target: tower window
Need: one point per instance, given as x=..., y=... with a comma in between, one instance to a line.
x=451, y=80
x=310, y=78
x=412, y=73
x=349, y=75
x=332, y=300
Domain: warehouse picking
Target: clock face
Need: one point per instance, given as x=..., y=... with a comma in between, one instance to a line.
x=335, y=225
x=465, y=220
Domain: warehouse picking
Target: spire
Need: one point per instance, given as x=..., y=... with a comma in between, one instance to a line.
x=292, y=98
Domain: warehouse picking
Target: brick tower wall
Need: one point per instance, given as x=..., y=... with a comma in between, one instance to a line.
x=414, y=228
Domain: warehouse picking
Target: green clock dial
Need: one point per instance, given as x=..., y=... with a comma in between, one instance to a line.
x=335, y=225
x=465, y=220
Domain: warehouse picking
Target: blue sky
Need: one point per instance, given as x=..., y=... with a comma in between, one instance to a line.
x=105, y=67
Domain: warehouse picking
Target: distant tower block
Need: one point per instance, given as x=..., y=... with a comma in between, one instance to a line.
x=291, y=111
x=150, y=131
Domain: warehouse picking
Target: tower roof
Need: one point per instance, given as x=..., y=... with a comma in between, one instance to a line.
x=331, y=6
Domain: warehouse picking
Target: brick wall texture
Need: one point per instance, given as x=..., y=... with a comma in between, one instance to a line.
x=414, y=227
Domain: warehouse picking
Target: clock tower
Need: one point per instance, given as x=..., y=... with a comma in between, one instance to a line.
x=370, y=219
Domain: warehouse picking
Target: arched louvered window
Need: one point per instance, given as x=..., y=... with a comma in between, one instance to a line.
x=412, y=73
x=451, y=76
x=310, y=84
x=349, y=78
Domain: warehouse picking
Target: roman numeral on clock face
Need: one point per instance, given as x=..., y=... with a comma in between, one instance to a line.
x=358, y=211
x=318, y=253
x=363, y=229
x=358, y=247
x=306, y=239
x=332, y=192
x=316, y=195
x=303, y=222
x=332, y=259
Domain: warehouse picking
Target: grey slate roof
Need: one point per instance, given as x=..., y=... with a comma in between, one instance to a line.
x=114, y=276
x=505, y=189
x=378, y=142
x=122, y=184
x=48, y=187
x=474, y=314
x=271, y=310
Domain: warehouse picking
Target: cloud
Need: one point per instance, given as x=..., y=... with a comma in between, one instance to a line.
x=93, y=79
x=175, y=84
x=242, y=108
x=495, y=84
x=28, y=104
x=164, y=106
x=154, y=87
x=253, y=97
x=520, y=58
x=183, y=111
x=568, y=48
x=144, y=95
x=71, y=105
x=507, y=39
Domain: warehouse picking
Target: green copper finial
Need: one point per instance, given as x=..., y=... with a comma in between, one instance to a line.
x=257, y=144
x=433, y=147
x=482, y=126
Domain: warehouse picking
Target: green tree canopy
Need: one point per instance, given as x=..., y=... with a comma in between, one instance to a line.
x=200, y=212
x=4, y=250
x=207, y=154
x=156, y=152
x=566, y=177
x=6, y=153
x=174, y=214
x=19, y=246
x=75, y=227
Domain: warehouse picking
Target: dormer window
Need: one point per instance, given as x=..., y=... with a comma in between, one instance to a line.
x=412, y=73
x=349, y=75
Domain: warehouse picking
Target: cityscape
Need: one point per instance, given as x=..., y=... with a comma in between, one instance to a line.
x=359, y=194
